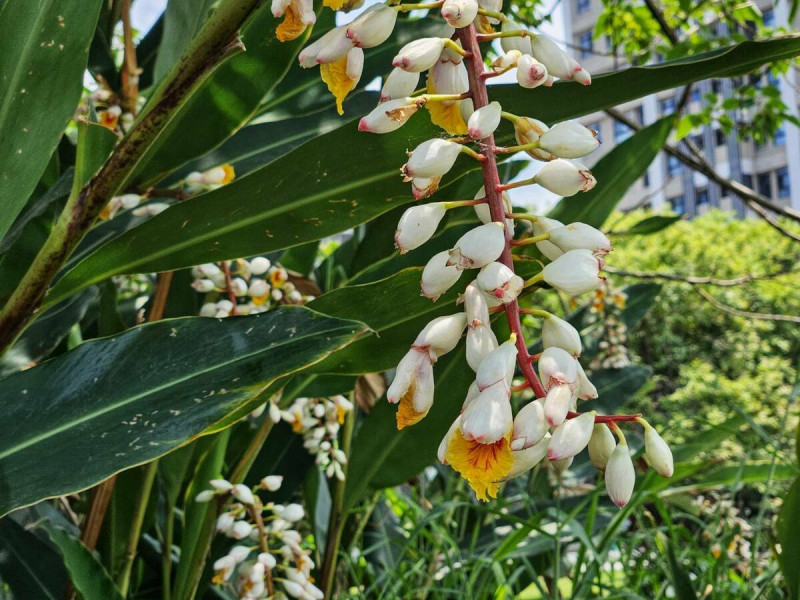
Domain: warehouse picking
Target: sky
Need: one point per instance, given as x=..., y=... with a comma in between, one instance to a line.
x=145, y=12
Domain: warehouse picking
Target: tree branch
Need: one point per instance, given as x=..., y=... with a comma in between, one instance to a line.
x=217, y=41
x=691, y=280
x=744, y=313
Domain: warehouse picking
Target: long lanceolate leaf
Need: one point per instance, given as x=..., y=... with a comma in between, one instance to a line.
x=44, y=46
x=117, y=402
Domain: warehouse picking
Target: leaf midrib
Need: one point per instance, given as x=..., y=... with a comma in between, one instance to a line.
x=125, y=402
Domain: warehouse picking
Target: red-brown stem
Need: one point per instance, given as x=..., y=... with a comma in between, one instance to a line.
x=226, y=268
x=491, y=180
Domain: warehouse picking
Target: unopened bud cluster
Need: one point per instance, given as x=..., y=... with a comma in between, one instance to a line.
x=318, y=420
x=487, y=443
x=244, y=287
x=269, y=557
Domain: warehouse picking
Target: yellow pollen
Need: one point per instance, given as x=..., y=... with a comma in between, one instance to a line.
x=229, y=173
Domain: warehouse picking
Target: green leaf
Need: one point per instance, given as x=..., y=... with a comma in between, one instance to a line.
x=615, y=172
x=225, y=100
x=88, y=576
x=640, y=298
x=145, y=392
x=652, y=224
x=29, y=566
x=787, y=528
x=45, y=50
x=567, y=100
x=95, y=143
x=182, y=20
x=615, y=386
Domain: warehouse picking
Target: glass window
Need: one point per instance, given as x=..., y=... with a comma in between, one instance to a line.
x=701, y=196
x=698, y=140
x=784, y=185
x=621, y=131
x=646, y=179
x=637, y=114
x=719, y=137
x=769, y=18
x=716, y=86
x=747, y=180
x=673, y=165
x=694, y=96
x=668, y=105
x=585, y=44
x=773, y=80
x=780, y=136
x=764, y=182
x=581, y=6
x=678, y=204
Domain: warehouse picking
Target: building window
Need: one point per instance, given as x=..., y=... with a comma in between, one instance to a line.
x=585, y=44
x=668, y=105
x=784, y=186
x=719, y=137
x=673, y=165
x=747, y=180
x=621, y=132
x=581, y=6
x=637, y=114
x=698, y=141
x=780, y=136
x=701, y=196
x=694, y=96
x=769, y=18
x=678, y=204
x=764, y=182
x=716, y=86
x=646, y=179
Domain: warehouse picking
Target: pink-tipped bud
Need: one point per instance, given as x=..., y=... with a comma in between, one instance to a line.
x=372, y=27
x=530, y=72
x=569, y=139
x=499, y=281
x=399, y=84
x=419, y=55
x=566, y=177
x=459, y=13
x=498, y=366
x=571, y=436
x=432, y=158
x=417, y=225
x=478, y=247
x=484, y=121
x=547, y=52
x=442, y=334
x=530, y=426
x=620, y=475
x=557, y=367
x=438, y=276
x=576, y=236
x=658, y=453
x=574, y=272
x=388, y=116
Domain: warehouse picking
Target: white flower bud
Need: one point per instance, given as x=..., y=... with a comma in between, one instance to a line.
x=225, y=522
x=225, y=306
x=337, y=47
x=308, y=55
x=419, y=55
x=518, y=43
x=438, y=276
x=585, y=388
x=484, y=121
x=557, y=367
x=203, y=285
x=530, y=72
x=528, y=131
x=559, y=333
x=544, y=225
x=488, y=417
x=442, y=334
x=243, y=494
x=293, y=512
x=557, y=403
x=601, y=445
x=238, y=287
x=530, y=426
x=240, y=530
x=372, y=27
x=448, y=77
x=399, y=84
x=150, y=210
x=204, y=496
x=620, y=475
x=388, y=116
x=499, y=281
x=480, y=342
x=582, y=76
x=272, y=483
x=414, y=373
x=355, y=65
x=295, y=590
x=432, y=158
x=571, y=436
x=580, y=236
x=259, y=265
x=459, y=13
x=547, y=52
x=422, y=187
x=222, y=486
x=498, y=366
x=506, y=61
x=209, y=309
x=478, y=247
x=466, y=108
x=574, y=272
x=224, y=566
x=452, y=55
x=565, y=177
x=527, y=458
x=268, y=560
x=569, y=139
x=129, y=201
x=475, y=306
x=258, y=288
x=441, y=452
x=239, y=553
x=658, y=453
x=417, y=225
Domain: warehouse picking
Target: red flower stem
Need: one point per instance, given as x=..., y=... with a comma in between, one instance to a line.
x=494, y=198
x=491, y=180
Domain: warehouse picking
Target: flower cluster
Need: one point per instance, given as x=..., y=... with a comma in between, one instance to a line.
x=269, y=551
x=607, y=304
x=244, y=287
x=318, y=420
x=487, y=443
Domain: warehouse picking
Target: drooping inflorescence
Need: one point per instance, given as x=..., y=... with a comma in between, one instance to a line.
x=487, y=443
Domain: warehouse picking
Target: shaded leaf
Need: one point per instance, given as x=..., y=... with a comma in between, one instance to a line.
x=30, y=567
x=652, y=224
x=87, y=574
